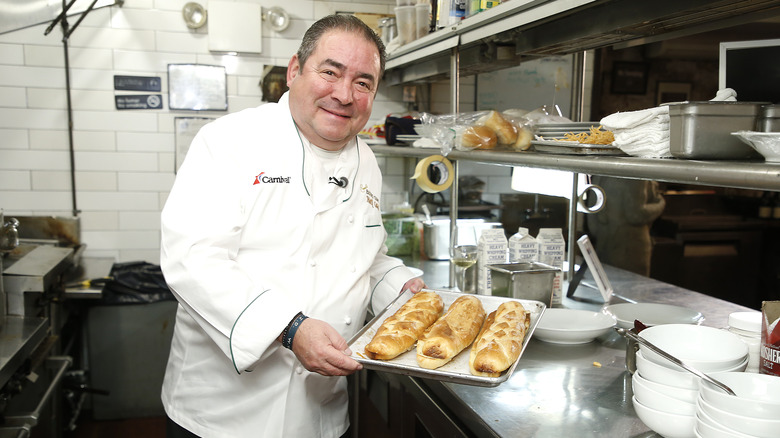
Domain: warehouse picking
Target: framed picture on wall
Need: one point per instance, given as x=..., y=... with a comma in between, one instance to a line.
x=672, y=92
x=629, y=78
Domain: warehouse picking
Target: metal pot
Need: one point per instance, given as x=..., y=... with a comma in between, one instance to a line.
x=436, y=234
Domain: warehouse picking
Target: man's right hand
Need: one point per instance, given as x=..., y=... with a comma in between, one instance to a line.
x=321, y=349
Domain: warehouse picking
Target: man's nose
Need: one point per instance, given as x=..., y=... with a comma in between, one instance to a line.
x=342, y=91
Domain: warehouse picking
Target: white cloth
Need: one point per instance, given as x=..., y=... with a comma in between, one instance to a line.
x=725, y=95
x=642, y=133
x=244, y=248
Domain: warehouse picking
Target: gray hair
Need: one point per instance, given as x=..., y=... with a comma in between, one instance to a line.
x=344, y=22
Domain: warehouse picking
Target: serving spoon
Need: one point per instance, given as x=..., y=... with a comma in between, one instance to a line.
x=633, y=336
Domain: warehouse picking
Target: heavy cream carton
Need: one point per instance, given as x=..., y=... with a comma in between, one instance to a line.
x=523, y=247
x=491, y=249
x=552, y=250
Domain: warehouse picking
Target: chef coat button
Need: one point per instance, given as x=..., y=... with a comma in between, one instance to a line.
x=299, y=369
x=351, y=219
x=354, y=269
x=312, y=263
x=347, y=320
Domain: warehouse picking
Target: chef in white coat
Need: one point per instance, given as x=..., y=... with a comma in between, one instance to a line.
x=273, y=244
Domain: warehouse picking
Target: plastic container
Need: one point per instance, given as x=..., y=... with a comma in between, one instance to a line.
x=422, y=19
x=747, y=325
x=406, y=21
x=702, y=130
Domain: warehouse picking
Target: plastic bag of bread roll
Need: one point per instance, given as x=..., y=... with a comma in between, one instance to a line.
x=506, y=131
x=476, y=137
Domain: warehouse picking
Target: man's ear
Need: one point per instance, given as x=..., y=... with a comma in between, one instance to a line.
x=293, y=69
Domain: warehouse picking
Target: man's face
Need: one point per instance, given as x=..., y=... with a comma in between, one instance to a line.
x=332, y=95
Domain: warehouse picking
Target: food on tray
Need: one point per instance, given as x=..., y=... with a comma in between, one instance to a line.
x=524, y=137
x=478, y=137
x=505, y=131
x=400, y=331
x=451, y=333
x=595, y=136
x=500, y=341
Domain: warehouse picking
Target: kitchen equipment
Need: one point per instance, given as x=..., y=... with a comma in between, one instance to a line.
x=664, y=423
x=768, y=119
x=701, y=130
x=455, y=371
x=677, y=378
x=765, y=143
x=756, y=394
x=652, y=347
x=436, y=234
x=652, y=314
x=530, y=281
x=572, y=326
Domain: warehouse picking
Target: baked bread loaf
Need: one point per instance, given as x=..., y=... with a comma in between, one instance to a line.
x=478, y=137
x=505, y=131
x=400, y=331
x=524, y=137
x=500, y=341
x=452, y=333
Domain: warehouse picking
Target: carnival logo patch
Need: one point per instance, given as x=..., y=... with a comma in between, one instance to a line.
x=262, y=178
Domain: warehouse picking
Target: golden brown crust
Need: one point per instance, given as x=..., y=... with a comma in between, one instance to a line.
x=478, y=137
x=505, y=131
x=452, y=333
x=400, y=331
x=500, y=341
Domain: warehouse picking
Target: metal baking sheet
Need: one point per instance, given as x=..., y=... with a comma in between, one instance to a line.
x=457, y=370
x=574, y=148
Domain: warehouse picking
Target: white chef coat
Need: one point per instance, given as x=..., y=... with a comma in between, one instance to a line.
x=245, y=246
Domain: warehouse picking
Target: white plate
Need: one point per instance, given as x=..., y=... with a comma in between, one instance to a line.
x=570, y=326
x=651, y=314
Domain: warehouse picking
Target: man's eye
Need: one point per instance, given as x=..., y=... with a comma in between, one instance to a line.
x=364, y=86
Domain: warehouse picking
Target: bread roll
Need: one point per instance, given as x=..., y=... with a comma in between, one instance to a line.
x=500, y=341
x=452, y=333
x=400, y=331
x=478, y=137
x=505, y=131
x=524, y=137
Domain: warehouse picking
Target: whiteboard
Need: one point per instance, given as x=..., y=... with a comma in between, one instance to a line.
x=528, y=86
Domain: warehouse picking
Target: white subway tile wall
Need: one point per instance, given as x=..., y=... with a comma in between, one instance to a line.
x=124, y=160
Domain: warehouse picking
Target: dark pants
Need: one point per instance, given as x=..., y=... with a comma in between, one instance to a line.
x=173, y=430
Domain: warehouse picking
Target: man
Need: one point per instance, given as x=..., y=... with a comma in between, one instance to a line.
x=275, y=217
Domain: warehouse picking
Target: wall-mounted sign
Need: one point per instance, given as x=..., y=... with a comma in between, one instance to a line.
x=197, y=87
x=138, y=101
x=137, y=83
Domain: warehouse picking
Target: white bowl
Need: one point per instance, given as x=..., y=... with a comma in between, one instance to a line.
x=756, y=427
x=709, y=428
x=758, y=395
x=570, y=326
x=664, y=423
x=648, y=396
x=651, y=314
x=766, y=143
x=675, y=377
x=687, y=395
x=705, y=348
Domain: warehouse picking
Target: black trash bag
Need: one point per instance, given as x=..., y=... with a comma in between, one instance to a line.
x=136, y=283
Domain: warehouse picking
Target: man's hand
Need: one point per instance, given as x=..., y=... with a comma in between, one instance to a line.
x=322, y=350
x=415, y=285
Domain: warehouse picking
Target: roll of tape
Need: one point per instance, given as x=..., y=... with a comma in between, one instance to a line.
x=434, y=174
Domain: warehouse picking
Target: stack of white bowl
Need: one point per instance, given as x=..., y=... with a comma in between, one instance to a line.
x=665, y=395
x=753, y=412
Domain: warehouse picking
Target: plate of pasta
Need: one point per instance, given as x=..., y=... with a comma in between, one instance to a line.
x=584, y=138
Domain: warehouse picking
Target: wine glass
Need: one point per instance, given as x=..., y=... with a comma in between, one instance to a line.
x=463, y=254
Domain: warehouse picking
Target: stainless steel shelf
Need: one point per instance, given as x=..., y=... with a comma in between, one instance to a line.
x=755, y=175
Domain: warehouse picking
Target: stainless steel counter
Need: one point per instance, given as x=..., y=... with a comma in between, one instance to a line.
x=564, y=390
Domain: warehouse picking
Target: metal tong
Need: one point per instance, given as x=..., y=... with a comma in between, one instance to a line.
x=629, y=334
